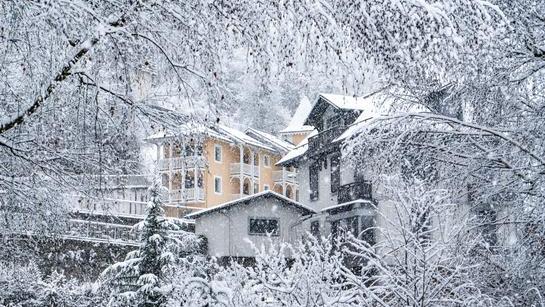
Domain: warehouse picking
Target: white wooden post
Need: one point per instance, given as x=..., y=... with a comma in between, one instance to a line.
x=241, y=175
x=195, y=171
x=252, y=162
x=170, y=173
x=284, y=181
x=183, y=171
x=259, y=171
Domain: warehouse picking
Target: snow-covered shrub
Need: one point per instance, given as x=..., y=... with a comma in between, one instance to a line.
x=22, y=285
x=308, y=274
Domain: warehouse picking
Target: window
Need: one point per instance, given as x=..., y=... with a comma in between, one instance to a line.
x=352, y=225
x=261, y=226
x=217, y=185
x=189, y=181
x=314, y=180
x=334, y=121
x=315, y=229
x=256, y=188
x=217, y=153
x=256, y=159
x=246, y=188
x=335, y=172
x=266, y=187
x=266, y=161
x=367, y=229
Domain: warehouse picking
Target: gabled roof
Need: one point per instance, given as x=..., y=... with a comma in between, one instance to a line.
x=339, y=102
x=383, y=104
x=241, y=137
x=271, y=140
x=298, y=151
x=248, y=200
x=345, y=102
x=216, y=131
x=297, y=122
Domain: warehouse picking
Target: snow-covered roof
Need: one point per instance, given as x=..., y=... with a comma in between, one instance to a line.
x=297, y=122
x=380, y=104
x=346, y=102
x=248, y=199
x=270, y=139
x=217, y=131
x=298, y=151
x=187, y=129
x=242, y=137
x=353, y=202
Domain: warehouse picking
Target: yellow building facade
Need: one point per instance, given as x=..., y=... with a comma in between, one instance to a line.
x=202, y=167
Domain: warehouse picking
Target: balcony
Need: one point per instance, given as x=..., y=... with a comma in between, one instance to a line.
x=354, y=191
x=247, y=170
x=110, y=206
x=116, y=181
x=189, y=161
x=321, y=142
x=287, y=176
x=191, y=195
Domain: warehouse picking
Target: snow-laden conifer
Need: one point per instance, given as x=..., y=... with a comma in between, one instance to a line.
x=143, y=278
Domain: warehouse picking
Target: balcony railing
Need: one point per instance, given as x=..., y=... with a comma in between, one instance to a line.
x=114, y=181
x=247, y=169
x=322, y=141
x=101, y=231
x=191, y=194
x=189, y=161
x=107, y=232
x=354, y=191
x=111, y=206
x=288, y=176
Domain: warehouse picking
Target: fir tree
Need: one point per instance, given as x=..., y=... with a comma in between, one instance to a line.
x=142, y=279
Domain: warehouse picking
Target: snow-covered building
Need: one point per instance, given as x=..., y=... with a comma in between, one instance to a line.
x=336, y=189
x=203, y=166
x=259, y=219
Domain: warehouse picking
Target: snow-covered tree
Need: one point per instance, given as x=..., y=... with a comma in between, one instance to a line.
x=307, y=274
x=22, y=284
x=422, y=253
x=143, y=278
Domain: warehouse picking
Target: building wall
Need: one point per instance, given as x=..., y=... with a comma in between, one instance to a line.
x=296, y=139
x=227, y=232
x=230, y=188
x=220, y=169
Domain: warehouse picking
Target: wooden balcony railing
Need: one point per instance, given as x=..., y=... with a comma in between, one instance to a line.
x=288, y=176
x=110, y=206
x=322, y=141
x=247, y=169
x=176, y=163
x=189, y=194
x=354, y=191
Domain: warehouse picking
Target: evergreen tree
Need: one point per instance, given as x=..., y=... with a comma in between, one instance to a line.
x=142, y=279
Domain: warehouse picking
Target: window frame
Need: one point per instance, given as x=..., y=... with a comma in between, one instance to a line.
x=272, y=234
x=335, y=172
x=315, y=230
x=267, y=158
x=314, y=181
x=216, y=147
x=220, y=185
